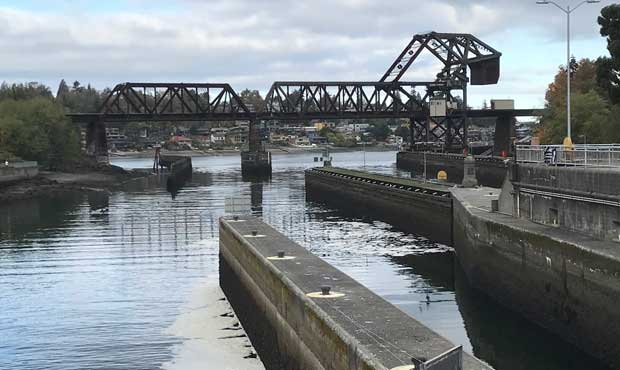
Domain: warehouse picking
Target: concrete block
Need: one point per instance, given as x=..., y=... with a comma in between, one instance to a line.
x=469, y=173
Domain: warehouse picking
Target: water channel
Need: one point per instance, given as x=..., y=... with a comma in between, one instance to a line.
x=97, y=281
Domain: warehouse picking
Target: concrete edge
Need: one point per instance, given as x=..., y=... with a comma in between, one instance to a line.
x=245, y=278
x=349, y=340
x=473, y=211
x=419, y=185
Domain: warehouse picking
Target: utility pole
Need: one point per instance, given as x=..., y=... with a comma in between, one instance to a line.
x=568, y=10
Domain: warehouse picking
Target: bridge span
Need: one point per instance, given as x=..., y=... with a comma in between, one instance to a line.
x=297, y=100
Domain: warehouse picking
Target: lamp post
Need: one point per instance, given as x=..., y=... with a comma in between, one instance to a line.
x=364, y=147
x=568, y=10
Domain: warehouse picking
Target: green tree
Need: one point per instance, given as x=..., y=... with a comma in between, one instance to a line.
x=79, y=99
x=325, y=131
x=584, y=89
x=608, y=68
x=63, y=93
x=403, y=132
x=24, y=91
x=37, y=129
x=380, y=131
x=583, y=79
x=338, y=139
x=253, y=98
x=590, y=117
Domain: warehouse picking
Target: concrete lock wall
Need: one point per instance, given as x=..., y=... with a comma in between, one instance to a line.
x=410, y=205
x=290, y=330
x=566, y=282
x=567, y=288
x=18, y=172
x=490, y=171
x=603, y=181
x=585, y=200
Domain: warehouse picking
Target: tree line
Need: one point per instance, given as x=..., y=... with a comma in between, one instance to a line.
x=33, y=126
x=595, y=93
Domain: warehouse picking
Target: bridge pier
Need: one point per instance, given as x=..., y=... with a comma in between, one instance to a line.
x=256, y=161
x=96, y=141
x=504, y=131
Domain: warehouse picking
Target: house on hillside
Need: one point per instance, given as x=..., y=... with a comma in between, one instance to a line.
x=179, y=142
x=218, y=135
x=278, y=139
x=237, y=135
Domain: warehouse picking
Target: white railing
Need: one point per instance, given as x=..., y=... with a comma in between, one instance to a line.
x=20, y=164
x=590, y=155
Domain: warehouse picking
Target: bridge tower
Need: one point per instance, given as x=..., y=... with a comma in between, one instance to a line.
x=459, y=54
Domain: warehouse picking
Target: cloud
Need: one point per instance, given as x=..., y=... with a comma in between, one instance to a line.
x=252, y=43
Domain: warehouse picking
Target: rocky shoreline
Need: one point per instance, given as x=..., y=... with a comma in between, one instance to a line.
x=102, y=178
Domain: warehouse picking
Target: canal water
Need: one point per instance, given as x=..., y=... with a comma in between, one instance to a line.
x=101, y=281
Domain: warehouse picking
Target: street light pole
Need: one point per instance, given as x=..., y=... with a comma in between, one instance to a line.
x=568, y=11
x=568, y=111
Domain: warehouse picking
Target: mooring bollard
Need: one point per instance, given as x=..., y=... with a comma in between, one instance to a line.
x=325, y=290
x=281, y=254
x=254, y=232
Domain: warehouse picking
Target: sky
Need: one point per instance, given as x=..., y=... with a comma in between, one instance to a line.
x=252, y=43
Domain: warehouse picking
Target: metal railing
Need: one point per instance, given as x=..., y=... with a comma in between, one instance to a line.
x=449, y=360
x=585, y=155
x=20, y=164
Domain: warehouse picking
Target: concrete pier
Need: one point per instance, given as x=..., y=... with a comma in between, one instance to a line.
x=277, y=289
x=256, y=163
x=96, y=141
x=181, y=170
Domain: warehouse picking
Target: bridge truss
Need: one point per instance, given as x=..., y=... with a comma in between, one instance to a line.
x=456, y=52
x=364, y=100
x=173, y=102
x=286, y=101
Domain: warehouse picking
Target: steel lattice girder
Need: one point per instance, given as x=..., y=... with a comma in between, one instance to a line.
x=450, y=129
x=316, y=100
x=312, y=100
x=456, y=51
x=160, y=101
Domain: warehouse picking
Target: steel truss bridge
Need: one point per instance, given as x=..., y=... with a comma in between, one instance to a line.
x=293, y=101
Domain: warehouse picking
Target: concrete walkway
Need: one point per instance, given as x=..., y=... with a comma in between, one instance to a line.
x=478, y=202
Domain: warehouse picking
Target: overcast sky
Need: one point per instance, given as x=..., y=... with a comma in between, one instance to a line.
x=251, y=43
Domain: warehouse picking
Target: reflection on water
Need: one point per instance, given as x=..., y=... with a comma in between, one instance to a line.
x=24, y=216
x=496, y=334
x=174, y=183
x=98, y=280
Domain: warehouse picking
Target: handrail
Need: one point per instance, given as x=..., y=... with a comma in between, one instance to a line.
x=580, y=155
